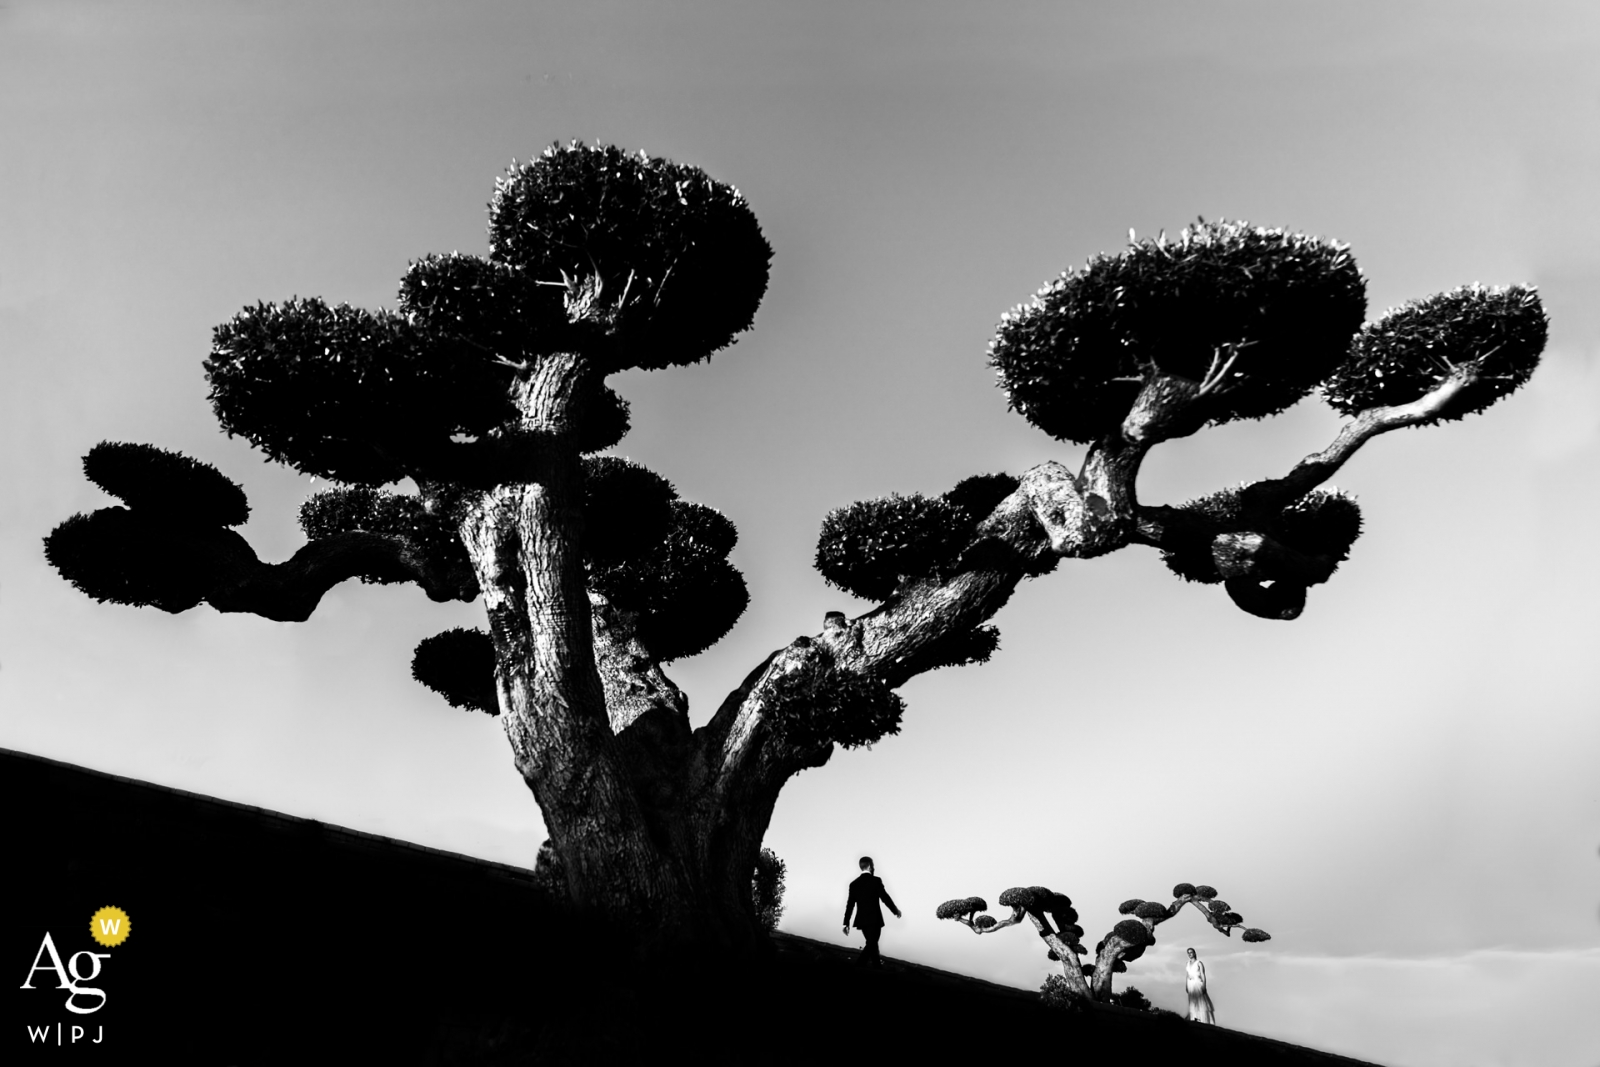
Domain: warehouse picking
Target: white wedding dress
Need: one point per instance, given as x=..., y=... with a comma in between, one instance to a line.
x=1200, y=1009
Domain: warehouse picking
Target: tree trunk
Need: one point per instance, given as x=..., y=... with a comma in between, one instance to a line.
x=641, y=840
x=655, y=827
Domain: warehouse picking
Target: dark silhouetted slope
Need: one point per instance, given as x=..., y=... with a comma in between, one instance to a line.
x=261, y=938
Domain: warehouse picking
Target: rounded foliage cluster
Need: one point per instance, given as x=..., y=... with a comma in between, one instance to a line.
x=666, y=559
x=951, y=909
x=1041, y=900
x=164, y=483
x=1153, y=911
x=169, y=547
x=687, y=594
x=494, y=308
x=1056, y=993
x=975, y=497
x=1250, y=933
x=346, y=394
x=1132, y=999
x=1280, y=306
x=627, y=509
x=1020, y=897
x=1127, y=907
x=134, y=557
x=869, y=547
x=983, y=922
x=1324, y=522
x=962, y=647
x=1182, y=889
x=670, y=264
x=458, y=665
x=817, y=707
x=1414, y=348
x=362, y=509
x=1204, y=892
x=1133, y=932
x=767, y=887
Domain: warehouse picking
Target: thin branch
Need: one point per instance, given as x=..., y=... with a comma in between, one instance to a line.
x=1320, y=466
x=1213, y=379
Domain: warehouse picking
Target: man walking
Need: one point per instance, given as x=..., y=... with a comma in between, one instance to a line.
x=865, y=892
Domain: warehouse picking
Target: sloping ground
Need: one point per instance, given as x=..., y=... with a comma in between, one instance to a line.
x=969, y=1016
x=260, y=938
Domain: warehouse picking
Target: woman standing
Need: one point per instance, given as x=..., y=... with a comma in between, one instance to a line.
x=1200, y=1009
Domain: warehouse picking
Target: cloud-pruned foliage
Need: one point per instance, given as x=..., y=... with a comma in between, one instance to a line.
x=686, y=592
x=869, y=548
x=1324, y=522
x=458, y=665
x=167, y=548
x=665, y=263
x=1281, y=306
x=1414, y=348
x=157, y=481
x=816, y=707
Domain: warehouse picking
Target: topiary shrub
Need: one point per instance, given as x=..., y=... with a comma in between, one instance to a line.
x=1278, y=308
x=458, y=665
x=152, y=479
x=1131, y=998
x=767, y=887
x=950, y=909
x=1416, y=347
x=1057, y=994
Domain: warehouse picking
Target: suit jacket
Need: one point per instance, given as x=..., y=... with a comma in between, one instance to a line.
x=865, y=892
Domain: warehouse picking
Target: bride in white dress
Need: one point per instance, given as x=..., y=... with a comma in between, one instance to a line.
x=1200, y=1009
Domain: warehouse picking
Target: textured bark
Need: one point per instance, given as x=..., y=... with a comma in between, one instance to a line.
x=599, y=734
x=1071, y=968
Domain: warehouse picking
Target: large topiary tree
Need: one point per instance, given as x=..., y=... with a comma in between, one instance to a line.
x=1056, y=921
x=483, y=397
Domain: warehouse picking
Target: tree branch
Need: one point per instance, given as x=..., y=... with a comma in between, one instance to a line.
x=1320, y=466
x=1071, y=967
x=290, y=591
x=1052, y=514
x=649, y=714
x=1013, y=919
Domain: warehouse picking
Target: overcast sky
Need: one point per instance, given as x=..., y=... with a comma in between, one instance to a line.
x=1400, y=785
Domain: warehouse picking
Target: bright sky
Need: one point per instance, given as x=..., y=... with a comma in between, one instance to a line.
x=1399, y=786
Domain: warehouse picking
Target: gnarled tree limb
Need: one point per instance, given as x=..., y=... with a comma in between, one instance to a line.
x=290, y=591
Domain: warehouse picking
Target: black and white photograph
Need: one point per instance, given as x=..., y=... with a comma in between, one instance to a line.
x=800, y=532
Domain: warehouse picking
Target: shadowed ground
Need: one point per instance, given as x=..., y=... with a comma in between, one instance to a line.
x=260, y=938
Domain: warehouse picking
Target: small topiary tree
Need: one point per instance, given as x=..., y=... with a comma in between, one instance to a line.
x=461, y=431
x=1056, y=920
x=766, y=888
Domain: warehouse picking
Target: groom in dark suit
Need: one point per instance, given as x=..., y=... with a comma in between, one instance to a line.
x=865, y=892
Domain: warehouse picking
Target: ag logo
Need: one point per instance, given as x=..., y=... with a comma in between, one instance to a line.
x=109, y=927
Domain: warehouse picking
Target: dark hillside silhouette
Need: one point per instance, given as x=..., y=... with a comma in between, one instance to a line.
x=264, y=939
